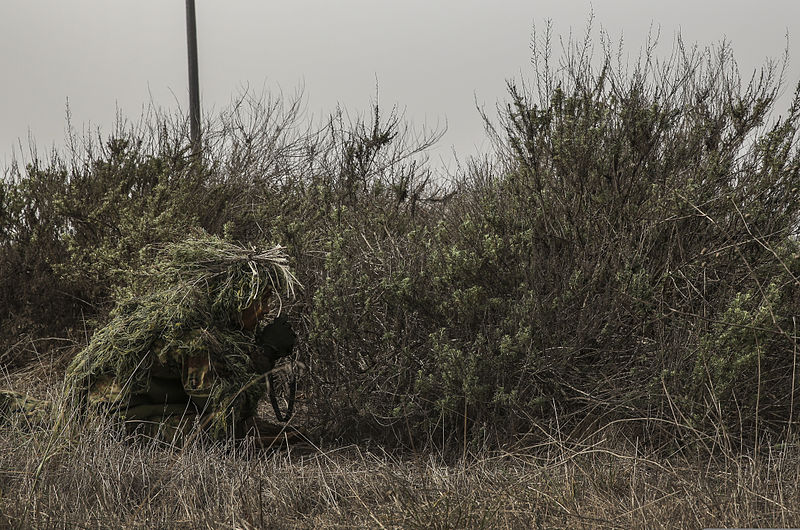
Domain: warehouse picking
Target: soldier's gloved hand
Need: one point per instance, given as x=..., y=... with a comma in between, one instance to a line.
x=273, y=342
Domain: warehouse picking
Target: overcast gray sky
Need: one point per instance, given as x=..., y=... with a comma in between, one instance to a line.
x=433, y=58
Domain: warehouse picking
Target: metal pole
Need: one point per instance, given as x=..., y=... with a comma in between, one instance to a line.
x=194, y=84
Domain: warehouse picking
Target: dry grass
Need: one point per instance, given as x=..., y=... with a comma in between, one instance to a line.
x=88, y=475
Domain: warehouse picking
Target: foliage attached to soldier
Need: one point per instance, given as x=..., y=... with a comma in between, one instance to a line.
x=191, y=345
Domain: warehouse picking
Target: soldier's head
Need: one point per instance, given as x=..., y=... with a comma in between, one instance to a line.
x=251, y=315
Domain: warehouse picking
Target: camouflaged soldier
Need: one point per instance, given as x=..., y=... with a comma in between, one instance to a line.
x=193, y=350
x=180, y=394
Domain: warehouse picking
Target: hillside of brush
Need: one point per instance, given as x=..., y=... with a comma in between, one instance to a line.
x=618, y=278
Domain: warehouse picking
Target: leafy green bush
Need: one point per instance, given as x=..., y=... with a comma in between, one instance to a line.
x=72, y=235
x=591, y=272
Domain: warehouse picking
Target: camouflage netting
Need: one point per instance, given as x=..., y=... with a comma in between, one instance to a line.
x=198, y=289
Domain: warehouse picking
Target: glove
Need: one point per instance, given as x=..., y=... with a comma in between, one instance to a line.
x=274, y=341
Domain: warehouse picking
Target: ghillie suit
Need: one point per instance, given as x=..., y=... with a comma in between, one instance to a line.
x=189, y=350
